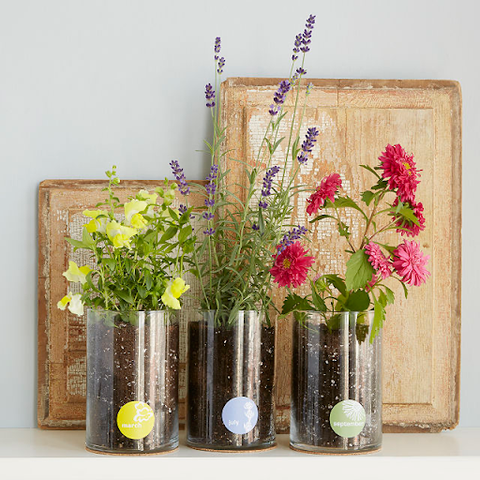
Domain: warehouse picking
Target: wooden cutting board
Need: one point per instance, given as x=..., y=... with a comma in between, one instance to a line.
x=357, y=119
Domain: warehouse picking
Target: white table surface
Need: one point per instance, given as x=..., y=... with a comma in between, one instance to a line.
x=39, y=454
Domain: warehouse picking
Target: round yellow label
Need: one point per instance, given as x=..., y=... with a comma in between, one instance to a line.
x=135, y=420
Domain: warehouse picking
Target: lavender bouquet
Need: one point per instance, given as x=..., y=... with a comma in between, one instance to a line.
x=243, y=234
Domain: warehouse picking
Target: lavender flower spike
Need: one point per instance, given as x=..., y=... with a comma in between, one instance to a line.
x=217, y=47
x=221, y=64
x=210, y=95
x=290, y=237
x=211, y=186
x=307, y=145
x=267, y=185
x=180, y=177
x=307, y=34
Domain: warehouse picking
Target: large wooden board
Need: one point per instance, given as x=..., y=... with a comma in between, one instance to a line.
x=61, y=335
x=357, y=119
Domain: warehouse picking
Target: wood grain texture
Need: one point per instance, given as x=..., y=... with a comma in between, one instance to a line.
x=357, y=119
x=61, y=335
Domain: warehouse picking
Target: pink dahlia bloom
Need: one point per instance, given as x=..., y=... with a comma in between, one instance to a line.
x=400, y=171
x=327, y=189
x=409, y=228
x=291, y=266
x=378, y=260
x=409, y=262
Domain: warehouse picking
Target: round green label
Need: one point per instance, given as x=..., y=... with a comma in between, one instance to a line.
x=347, y=418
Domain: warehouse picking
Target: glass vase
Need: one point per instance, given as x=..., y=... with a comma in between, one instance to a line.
x=230, y=404
x=336, y=404
x=132, y=382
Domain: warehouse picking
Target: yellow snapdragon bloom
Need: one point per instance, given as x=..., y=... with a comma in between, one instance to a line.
x=147, y=197
x=173, y=292
x=138, y=221
x=134, y=207
x=96, y=224
x=120, y=234
x=74, y=303
x=76, y=274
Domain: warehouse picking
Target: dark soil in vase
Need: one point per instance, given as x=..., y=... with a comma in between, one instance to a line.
x=132, y=364
x=225, y=363
x=329, y=367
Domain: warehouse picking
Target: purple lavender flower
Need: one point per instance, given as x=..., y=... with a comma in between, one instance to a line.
x=207, y=215
x=217, y=46
x=267, y=185
x=209, y=231
x=255, y=227
x=274, y=109
x=182, y=209
x=307, y=145
x=307, y=34
x=221, y=64
x=296, y=46
x=209, y=202
x=301, y=71
x=210, y=95
x=290, y=237
x=180, y=177
x=280, y=94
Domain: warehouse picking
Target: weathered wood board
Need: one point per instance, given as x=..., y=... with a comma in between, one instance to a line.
x=62, y=335
x=357, y=119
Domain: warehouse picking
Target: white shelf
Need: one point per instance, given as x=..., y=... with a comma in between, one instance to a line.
x=39, y=454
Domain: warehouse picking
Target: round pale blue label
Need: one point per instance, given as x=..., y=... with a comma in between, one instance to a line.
x=240, y=415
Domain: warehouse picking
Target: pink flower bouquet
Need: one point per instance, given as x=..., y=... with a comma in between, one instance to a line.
x=390, y=204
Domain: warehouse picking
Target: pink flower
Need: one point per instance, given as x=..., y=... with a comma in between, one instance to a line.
x=400, y=171
x=291, y=266
x=371, y=283
x=409, y=262
x=327, y=189
x=378, y=260
x=409, y=228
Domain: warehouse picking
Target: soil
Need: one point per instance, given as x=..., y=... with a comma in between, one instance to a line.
x=223, y=366
x=318, y=385
x=116, y=377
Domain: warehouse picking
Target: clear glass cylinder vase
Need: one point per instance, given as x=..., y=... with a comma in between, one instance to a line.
x=336, y=404
x=230, y=403
x=132, y=382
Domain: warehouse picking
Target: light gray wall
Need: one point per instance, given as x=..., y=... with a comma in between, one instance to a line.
x=85, y=84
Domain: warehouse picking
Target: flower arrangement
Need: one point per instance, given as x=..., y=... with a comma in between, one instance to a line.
x=243, y=228
x=139, y=260
x=390, y=204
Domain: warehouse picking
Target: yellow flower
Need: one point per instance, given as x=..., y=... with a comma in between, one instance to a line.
x=147, y=197
x=138, y=221
x=172, y=293
x=133, y=207
x=96, y=224
x=120, y=234
x=74, y=302
x=75, y=274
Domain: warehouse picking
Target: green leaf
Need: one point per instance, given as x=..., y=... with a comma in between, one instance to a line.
x=318, y=301
x=407, y=213
x=367, y=197
x=333, y=323
x=87, y=240
x=185, y=232
x=124, y=295
x=321, y=217
x=170, y=233
x=142, y=291
x=75, y=243
x=359, y=271
x=370, y=169
x=358, y=301
x=261, y=222
x=336, y=281
x=345, y=202
x=378, y=319
x=390, y=296
x=295, y=302
x=148, y=279
x=109, y=262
